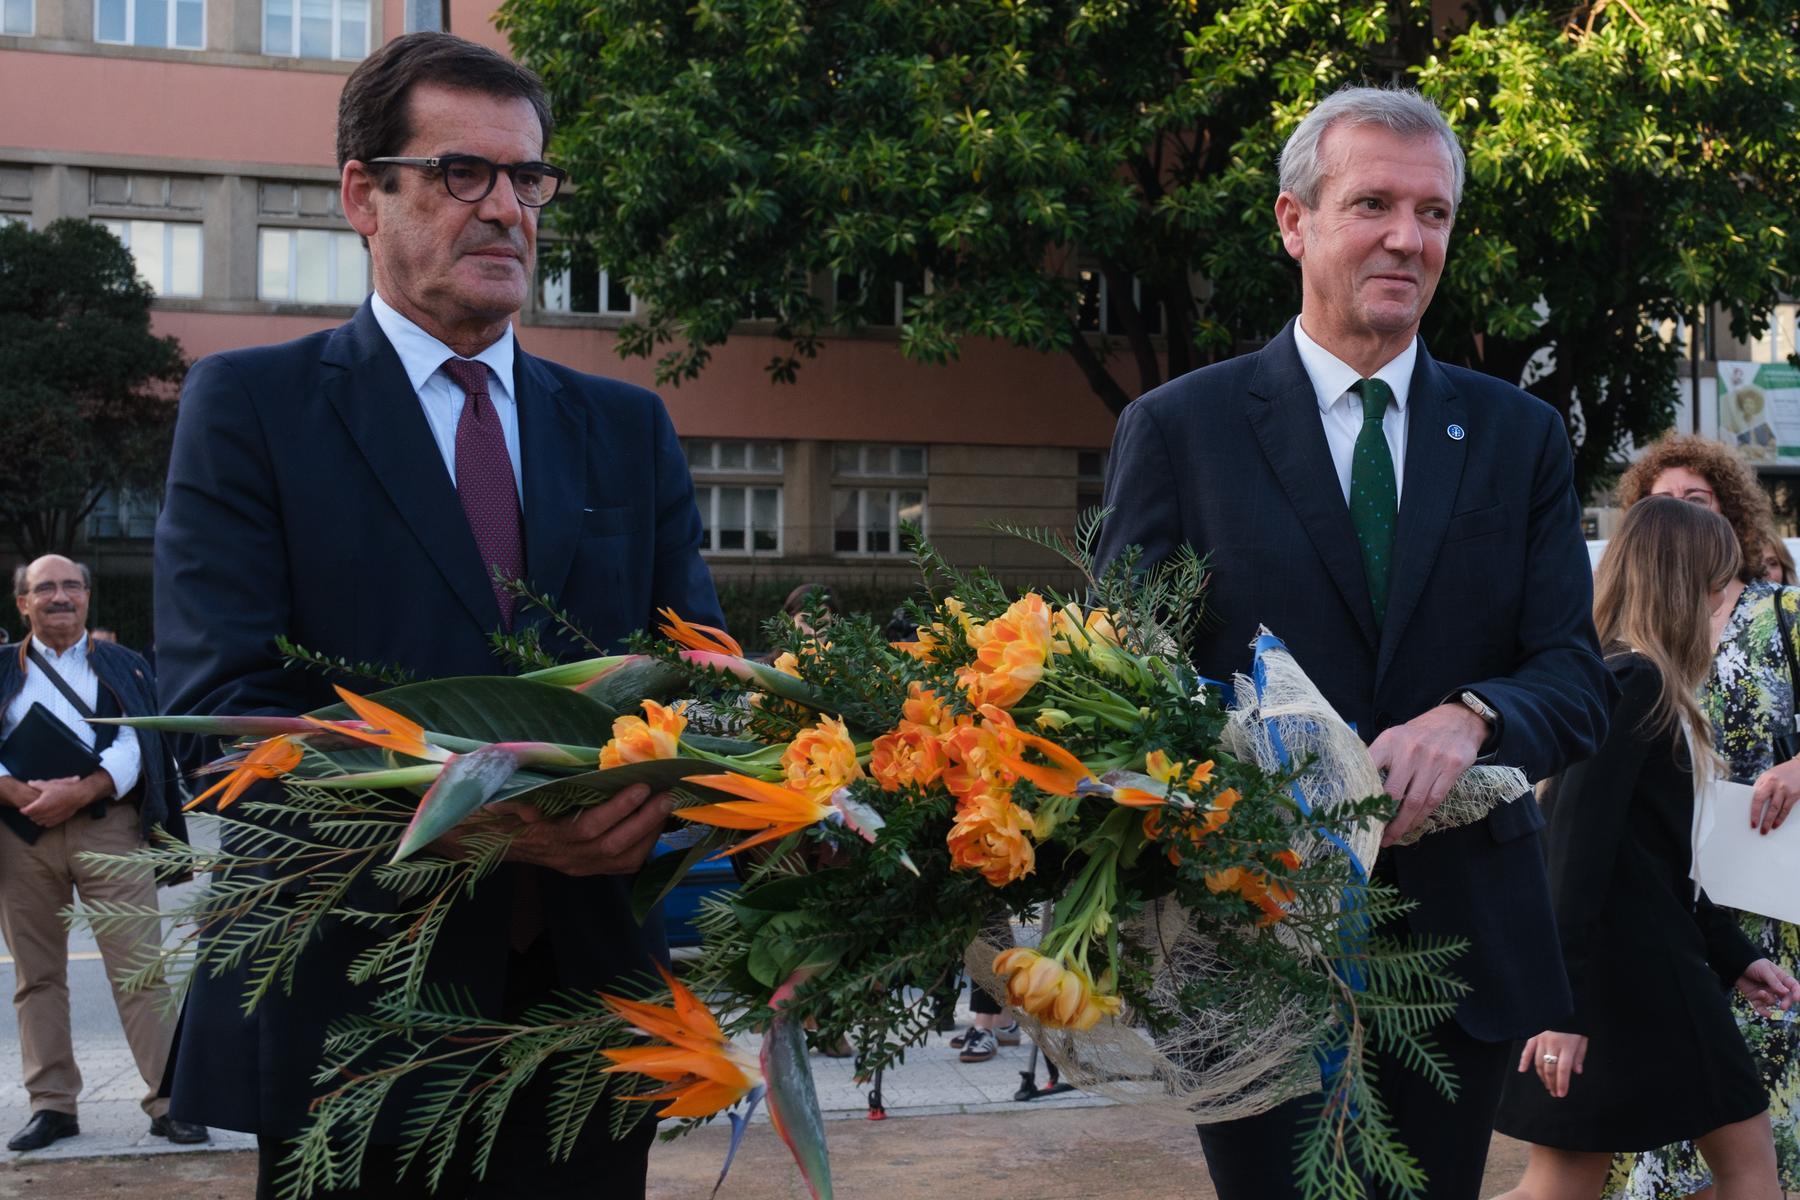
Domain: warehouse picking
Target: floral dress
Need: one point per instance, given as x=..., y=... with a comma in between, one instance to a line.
x=1748, y=698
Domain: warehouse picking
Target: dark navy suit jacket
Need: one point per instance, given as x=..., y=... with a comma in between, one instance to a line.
x=306, y=497
x=1489, y=590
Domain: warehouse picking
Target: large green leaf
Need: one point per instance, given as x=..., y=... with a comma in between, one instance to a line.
x=634, y=680
x=496, y=708
x=793, y=1102
x=662, y=874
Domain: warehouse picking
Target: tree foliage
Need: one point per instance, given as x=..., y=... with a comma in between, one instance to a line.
x=1628, y=163
x=87, y=399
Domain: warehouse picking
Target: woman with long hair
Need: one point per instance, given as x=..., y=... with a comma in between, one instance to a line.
x=1652, y=1054
x=1749, y=698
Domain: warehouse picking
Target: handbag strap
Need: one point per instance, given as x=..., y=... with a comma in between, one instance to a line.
x=1787, y=649
x=87, y=711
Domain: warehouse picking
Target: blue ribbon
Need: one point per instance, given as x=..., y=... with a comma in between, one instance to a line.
x=1353, y=927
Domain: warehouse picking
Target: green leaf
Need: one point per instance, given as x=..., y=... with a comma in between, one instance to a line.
x=494, y=708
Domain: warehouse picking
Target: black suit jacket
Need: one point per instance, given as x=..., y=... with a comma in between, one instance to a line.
x=1490, y=590
x=307, y=497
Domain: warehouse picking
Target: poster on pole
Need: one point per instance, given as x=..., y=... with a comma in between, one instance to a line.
x=1759, y=410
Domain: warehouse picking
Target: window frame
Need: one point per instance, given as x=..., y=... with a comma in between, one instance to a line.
x=332, y=263
x=709, y=516
x=564, y=280
x=168, y=251
x=897, y=548
x=30, y=29
x=131, y=26
x=337, y=32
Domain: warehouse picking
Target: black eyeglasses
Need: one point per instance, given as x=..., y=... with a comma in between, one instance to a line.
x=47, y=589
x=470, y=177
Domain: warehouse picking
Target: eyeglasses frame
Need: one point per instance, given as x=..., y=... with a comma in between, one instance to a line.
x=438, y=163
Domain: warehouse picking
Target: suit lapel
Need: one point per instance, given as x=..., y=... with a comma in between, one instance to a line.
x=1284, y=412
x=1434, y=467
x=377, y=404
x=553, y=458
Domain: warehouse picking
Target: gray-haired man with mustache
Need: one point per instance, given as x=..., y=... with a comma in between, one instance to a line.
x=359, y=490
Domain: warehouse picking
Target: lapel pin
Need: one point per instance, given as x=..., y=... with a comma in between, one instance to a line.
x=1456, y=433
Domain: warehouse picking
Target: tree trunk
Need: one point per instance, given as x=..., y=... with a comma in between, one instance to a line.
x=1098, y=377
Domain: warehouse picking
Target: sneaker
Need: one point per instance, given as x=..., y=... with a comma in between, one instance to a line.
x=979, y=1046
x=961, y=1039
x=1009, y=1034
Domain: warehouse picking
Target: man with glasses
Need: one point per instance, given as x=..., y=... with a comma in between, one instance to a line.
x=359, y=491
x=121, y=787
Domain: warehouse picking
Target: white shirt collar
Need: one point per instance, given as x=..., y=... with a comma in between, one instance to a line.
x=421, y=354
x=1331, y=376
x=76, y=653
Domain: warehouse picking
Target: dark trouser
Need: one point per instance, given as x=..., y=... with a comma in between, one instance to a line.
x=981, y=1002
x=520, y=1163
x=1253, y=1159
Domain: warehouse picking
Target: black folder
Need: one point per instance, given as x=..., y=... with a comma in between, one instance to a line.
x=42, y=747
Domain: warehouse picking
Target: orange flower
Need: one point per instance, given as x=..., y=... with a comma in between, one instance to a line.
x=908, y=757
x=770, y=807
x=990, y=836
x=925, y=648
x=1061, y=778
x=821, y=759
x=787, y=664
x=1010, y=660
x=1259, y=889
x=1193, y=825
x=925, y=709
x=1058, y=995
x=707, y=1071
x=382, y=726
x=268, y=759
x=978, y=754
x=637, y=739
x=697, y=637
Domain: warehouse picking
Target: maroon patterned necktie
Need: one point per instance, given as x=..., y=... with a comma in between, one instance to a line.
x=484, y=481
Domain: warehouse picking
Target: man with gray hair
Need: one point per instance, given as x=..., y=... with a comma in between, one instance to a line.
x=1412, y=531
x=68, y=788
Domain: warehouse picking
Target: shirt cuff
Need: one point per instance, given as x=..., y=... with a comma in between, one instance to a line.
x=122, y=761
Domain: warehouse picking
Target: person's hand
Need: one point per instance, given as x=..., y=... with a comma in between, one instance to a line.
x=614, y=838
x=59, y=799
x=1556, y=1057
x=1767, y=987
x=1774, y=795
x=16, y=792
x=1422, y=758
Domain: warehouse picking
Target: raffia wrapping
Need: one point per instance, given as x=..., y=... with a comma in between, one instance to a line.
x=1229, y=1062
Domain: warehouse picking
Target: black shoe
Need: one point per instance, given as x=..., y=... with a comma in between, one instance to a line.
x=979, y=1047
x=945, y=1020
x=43, y=1128
x=182, y=1133
x=961, y=1039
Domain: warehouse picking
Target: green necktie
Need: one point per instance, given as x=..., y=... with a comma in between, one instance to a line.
x=1374, y=498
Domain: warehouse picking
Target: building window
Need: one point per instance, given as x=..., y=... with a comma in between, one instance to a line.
x=868, y=520
x=876, y=458
x=1096, y=312
x=167, y=254
x=123, y=514
x=316, y=28
x=707, y=456
x=876, y=301
x=739, y=520
x=15, y=219
x=177, y=23
x=312, y=266
x=584, y=286
x=17, y=17
x=281, y=198
x=1781, y=339
x=119, y=190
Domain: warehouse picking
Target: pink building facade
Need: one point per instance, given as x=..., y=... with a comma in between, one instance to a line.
x=201, y=132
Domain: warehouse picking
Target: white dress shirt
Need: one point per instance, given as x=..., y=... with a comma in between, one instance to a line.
x=1341, y=409
x=121, y=759
x=423, y=356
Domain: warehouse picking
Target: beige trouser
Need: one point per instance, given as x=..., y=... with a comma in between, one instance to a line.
x=35, y=882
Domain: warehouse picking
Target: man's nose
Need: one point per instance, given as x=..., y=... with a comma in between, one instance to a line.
x=1404, y=234
x=501, y=204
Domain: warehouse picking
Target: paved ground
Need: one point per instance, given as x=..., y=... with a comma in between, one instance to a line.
x=1022, y=1154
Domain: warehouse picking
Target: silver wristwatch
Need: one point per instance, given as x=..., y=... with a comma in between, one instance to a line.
x=1480, y=708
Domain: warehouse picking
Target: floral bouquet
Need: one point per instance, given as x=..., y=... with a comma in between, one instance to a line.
x=1213, y=944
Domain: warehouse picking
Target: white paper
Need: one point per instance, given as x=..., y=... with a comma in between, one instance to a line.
x=1740, y=867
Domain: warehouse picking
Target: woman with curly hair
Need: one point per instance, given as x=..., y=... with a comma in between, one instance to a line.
x=1748, y=699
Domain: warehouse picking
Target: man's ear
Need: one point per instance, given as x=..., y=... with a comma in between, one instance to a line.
x=358, y=190
x=1290, y=216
